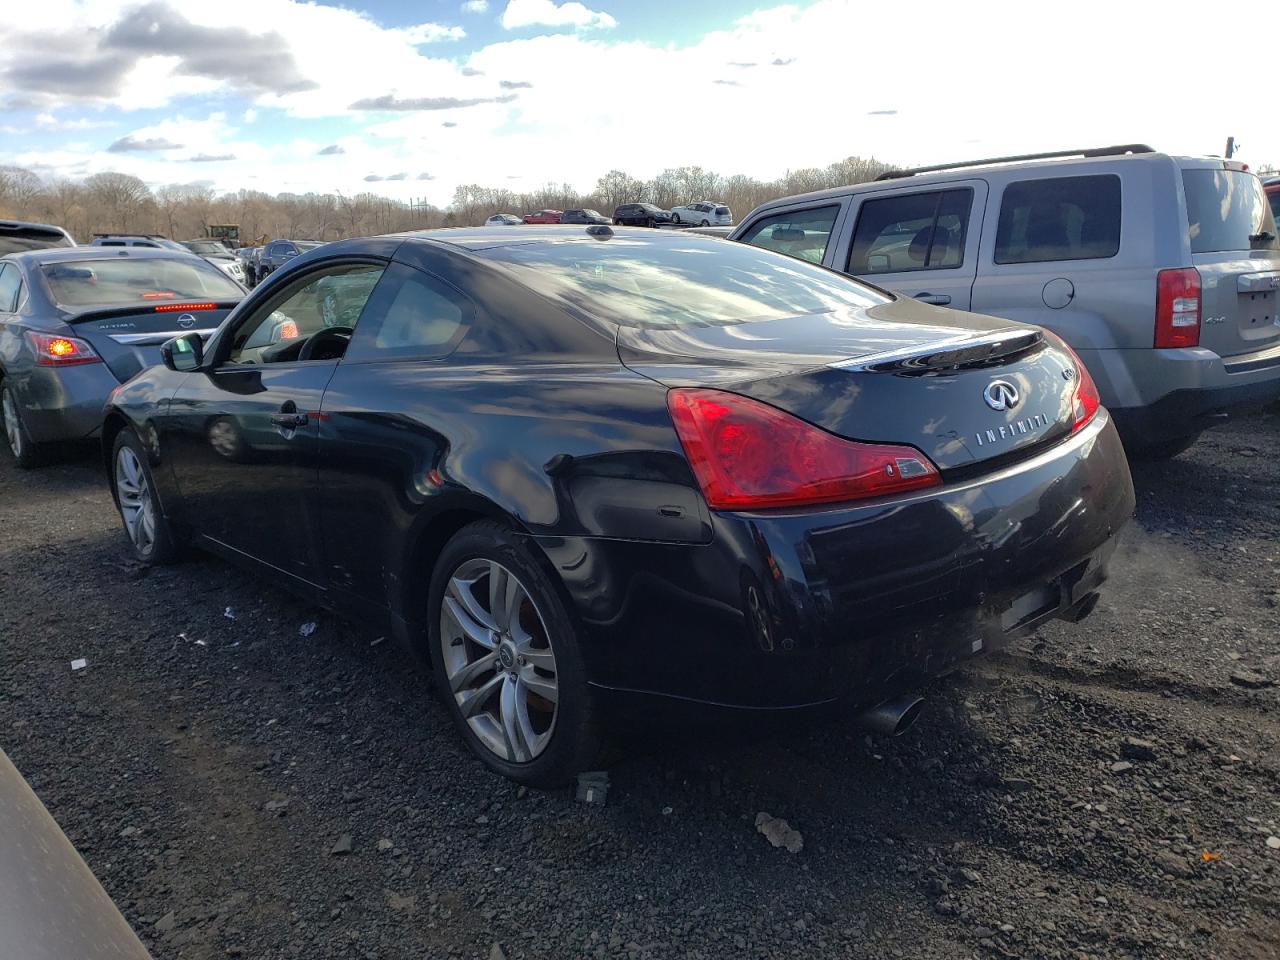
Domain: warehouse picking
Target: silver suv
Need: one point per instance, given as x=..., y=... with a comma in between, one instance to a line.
x=1162, y=272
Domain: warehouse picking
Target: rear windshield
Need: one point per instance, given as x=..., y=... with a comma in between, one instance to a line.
x=305, y=245
x=207, y=248
x=15, y=240
x=642, y=284
x=125, y=282
x=1227, y=210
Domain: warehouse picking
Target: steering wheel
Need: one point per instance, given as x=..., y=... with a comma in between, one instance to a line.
x=337, y=337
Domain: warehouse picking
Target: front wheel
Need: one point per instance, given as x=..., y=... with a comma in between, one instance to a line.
x=134, y=487
x=507, y=661
x=675, y=218
x=651, y=223
x=26, y=453
x=705, y=223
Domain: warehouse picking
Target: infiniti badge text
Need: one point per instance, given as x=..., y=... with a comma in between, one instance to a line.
x=1010, y=430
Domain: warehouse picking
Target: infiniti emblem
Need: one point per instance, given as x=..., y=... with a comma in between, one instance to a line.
x=1001, y=395
x=186, y=321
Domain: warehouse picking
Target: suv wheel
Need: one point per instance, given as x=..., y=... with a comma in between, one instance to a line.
x=134, y=488
x=26, y=453
x=705, y=223
x=506, y=658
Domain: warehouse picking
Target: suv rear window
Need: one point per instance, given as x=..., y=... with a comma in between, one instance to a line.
x=799, y=233
x=14, y=238
x=1062, y=218
x=1227, y=210
x=143, y=282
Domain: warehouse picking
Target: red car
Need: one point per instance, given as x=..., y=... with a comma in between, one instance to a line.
x=543, y=216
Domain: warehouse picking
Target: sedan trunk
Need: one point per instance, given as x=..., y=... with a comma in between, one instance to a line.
x=128, y=340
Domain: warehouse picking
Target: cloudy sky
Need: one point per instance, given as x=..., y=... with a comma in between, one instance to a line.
x=411, y=97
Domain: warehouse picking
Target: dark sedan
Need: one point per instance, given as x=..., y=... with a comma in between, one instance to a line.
x=586, y=465
x=77, y=322
x=641, y=215
x=583, y=216
x=279, y=252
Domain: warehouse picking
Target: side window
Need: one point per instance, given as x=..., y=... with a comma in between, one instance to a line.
x=411, y=314
x=915, y=231
x=798, y=233
x=10, y=285
x=330, y=299
x=1063, y=218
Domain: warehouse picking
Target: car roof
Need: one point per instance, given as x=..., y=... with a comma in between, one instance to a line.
x=971, y=172
x=89, y=252
x=53, y=228
x=483, y=238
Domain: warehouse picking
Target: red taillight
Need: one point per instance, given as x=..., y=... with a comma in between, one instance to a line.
x=1178, y=308
x=1085, y=403
x=186, y=307
x=748, y=455
x=54, y=351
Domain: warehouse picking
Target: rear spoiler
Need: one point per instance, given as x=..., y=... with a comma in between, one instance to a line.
x=74, y=315
x=956, y=353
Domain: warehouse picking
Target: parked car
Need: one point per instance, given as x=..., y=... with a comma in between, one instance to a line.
x=77, y=322
x=704, y=213
x=583, y=216
x=52, y=907
x=248, y=258
x=152, y=241
x=571, y=470
x=1272, y=186
x=543, y=216
x=277, y=253
x=1162, y=272
x=220, y=255
x=18, y=235
x=640, y=215
x=503, y=220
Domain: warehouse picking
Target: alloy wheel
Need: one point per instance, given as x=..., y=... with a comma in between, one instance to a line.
x=498, y=660
x=137, y=505
x=12, y=425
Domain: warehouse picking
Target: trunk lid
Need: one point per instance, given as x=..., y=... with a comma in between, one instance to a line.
x=1235, y=249
x=128, y=339
x=903, y=372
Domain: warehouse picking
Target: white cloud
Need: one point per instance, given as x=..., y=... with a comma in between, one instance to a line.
x=250, y=115
x=48, y=121
x=530, y=13
x=475, y=6
x=432, y=33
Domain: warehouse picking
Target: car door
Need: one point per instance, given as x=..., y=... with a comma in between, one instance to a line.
x=378, y=462
x=241, y=433
x=922, y=243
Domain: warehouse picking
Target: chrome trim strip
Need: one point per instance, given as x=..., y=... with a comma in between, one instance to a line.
x=960, y=342
x=155, y=339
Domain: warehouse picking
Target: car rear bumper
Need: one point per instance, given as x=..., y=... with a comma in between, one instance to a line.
x=65, y=403
x=1158, y=395
x=855, y=603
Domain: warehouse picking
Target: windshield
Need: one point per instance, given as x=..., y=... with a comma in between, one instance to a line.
x=145, y=282
x=643, y=284
x=17, y=239
x=207, y=248
x=305, y=245
x=1228, y=210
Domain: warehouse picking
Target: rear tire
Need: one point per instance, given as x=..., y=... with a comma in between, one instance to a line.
x=515, y=682
x=675, y=218
x=705, y=223
x=1155, y=451
x=133, y=486
x=26, y=452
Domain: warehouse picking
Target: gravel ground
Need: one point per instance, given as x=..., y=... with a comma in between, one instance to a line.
x=1105, y=790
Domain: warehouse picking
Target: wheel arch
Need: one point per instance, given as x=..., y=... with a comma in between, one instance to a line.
x=112, y=424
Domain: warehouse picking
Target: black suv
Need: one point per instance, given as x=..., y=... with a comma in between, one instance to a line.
x=640, y=215
x=278, y=252
x=583, y=216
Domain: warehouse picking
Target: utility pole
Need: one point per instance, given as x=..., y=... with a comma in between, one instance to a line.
x=1231, y=147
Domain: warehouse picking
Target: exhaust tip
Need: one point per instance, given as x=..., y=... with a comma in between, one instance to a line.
x=893, y=717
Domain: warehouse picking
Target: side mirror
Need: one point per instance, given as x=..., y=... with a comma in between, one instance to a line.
x=184, y=353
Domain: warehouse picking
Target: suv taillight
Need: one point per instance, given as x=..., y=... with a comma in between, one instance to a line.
x=748, y=455
x=1178, y=308
x=57, y=351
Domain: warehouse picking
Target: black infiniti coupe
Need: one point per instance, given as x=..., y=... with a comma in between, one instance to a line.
x=584, y=462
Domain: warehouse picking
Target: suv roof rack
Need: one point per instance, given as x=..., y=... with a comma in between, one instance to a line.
x=144, y=236
x=1116, y=151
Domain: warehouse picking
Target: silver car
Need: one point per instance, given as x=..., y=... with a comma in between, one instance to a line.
x=1162, y=272
x=75, y=322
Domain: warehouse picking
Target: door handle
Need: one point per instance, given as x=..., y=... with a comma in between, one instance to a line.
x=937, y=299
x=289, y=421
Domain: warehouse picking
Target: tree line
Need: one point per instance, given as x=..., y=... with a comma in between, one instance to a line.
x=113, y=202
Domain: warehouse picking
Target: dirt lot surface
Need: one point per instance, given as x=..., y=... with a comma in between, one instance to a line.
x=1105, y=790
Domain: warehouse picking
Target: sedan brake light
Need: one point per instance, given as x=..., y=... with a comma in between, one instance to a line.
x=57, y=351
x=749, y=455
x=186, y=307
